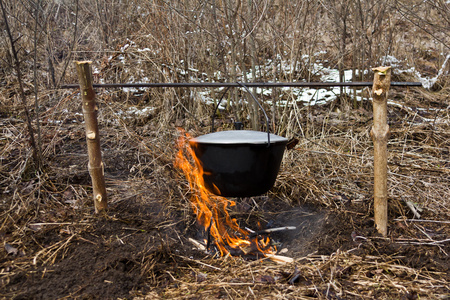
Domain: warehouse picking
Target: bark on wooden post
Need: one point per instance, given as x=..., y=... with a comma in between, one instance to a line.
x=90, y=109
x=380, y=135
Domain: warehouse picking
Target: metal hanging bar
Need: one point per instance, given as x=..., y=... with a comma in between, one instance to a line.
x=234, y=84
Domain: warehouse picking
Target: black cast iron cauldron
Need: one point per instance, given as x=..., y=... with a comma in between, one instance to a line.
x=239, y=163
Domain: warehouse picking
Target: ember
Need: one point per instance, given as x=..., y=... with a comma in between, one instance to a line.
x=212, y=211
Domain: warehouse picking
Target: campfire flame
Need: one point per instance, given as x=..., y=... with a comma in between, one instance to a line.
x=212, y=211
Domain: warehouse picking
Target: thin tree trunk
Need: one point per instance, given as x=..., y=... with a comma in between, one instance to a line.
x=36, y=98
x=274, y=91
x=354, y=55
x=254, y=106
x=380, y=135
x=90, y=109
x=74, y=44
x=23, y=97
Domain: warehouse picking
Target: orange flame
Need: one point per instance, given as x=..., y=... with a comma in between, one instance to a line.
x=211, y=210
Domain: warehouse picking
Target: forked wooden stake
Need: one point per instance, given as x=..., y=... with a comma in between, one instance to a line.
x=380, y=135
x=90, y=109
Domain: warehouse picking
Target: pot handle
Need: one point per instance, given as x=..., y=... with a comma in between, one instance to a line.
x=260, y=106
x=254, y=98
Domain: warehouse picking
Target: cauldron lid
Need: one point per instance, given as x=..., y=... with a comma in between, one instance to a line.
x=238, y=137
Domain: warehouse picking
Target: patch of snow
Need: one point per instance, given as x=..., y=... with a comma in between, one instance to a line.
x=391, y=60
x=130, y=90
x=134, y=111
x=51, y=121
x=95, y=70
x=426, y=81
x=144, y=50
x=429, y=82
x=263, y=91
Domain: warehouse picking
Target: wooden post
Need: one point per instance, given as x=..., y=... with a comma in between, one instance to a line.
x=380, y=135
x=90, y=109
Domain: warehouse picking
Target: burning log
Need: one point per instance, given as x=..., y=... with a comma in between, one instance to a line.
x=280, y=258
x=270, y=230
x=249, y=252
x=197, y=244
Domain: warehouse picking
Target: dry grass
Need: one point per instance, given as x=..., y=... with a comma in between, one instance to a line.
x=341, y=275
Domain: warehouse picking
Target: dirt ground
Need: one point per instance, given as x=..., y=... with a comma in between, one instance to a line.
x=137, y=249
